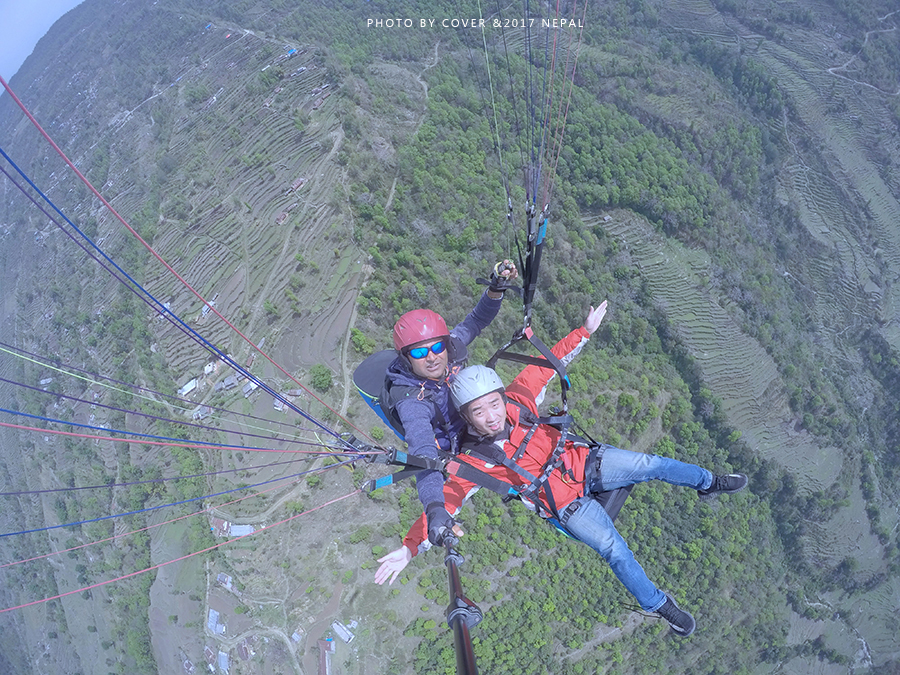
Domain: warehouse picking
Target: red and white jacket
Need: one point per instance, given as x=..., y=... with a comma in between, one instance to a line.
x=566, y=482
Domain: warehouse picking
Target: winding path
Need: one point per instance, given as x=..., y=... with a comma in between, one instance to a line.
x=836, y=71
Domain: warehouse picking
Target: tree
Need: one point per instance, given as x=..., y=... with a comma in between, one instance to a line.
x=301, y=119
x=362, y=343
x=321, y=377
x=270, y=309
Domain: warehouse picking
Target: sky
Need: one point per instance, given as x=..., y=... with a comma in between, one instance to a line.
x=22, y=24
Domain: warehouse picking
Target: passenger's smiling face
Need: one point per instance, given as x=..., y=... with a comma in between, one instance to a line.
x=487, y=415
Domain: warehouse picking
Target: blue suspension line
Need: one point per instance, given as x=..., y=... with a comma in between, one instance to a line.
x=143, y=482
x=163, y=310
x=163, y=506
x=148, y=415
x=51, y=363
x=211, y=444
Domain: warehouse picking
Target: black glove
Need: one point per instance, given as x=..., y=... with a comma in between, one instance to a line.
x=499, y=283
x=440, y=522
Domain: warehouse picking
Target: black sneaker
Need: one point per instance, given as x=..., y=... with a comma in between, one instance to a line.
x=682, y=622
x=728, y=484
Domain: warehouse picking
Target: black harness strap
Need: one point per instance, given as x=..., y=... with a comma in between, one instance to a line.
x=611, y=500
x=445, y=425
x=536, y=232
x=530, y=263
x=413, y=465
x=549, y=359
x=489, y=453
x=553, y=462
x=400, y=393
x=480, y=478
x=529, y=418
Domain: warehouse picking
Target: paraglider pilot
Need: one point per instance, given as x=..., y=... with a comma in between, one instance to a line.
x=428, y=357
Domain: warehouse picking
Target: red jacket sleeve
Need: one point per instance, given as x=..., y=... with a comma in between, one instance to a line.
x=530, y=384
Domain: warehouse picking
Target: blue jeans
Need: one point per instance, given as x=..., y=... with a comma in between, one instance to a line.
x=592, y=525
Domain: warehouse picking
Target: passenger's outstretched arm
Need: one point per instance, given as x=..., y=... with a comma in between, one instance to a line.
x=530, y=384
x=392, y=564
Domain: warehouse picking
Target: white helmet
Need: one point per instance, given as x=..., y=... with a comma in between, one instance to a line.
x=474, y=382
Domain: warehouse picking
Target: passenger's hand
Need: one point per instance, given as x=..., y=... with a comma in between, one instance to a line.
x=594, y=317
x=392, y=564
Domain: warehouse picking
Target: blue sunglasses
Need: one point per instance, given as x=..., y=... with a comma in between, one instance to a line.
x=422, y=352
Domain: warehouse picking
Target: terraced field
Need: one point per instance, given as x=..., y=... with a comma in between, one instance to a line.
x=256, y=191
x=240, y=243
x=739, y=371
x=170, y=606
x=734, y=365
x=849, y=209
x=856, y=225
x=875, y=620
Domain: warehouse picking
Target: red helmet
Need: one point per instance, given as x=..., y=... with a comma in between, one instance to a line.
x=416, y=326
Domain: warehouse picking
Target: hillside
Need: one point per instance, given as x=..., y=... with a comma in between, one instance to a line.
x=728, y=181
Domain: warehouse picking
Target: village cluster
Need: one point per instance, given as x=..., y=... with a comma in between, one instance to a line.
x=224, y=599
